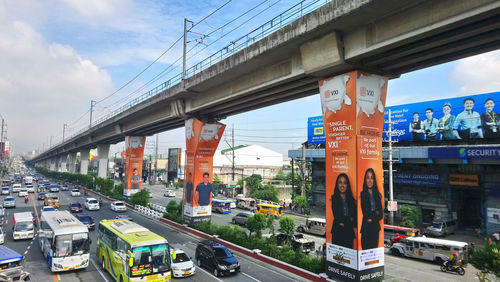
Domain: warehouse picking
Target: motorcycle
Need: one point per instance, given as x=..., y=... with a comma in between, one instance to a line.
x=26, y=200
x=457, y=268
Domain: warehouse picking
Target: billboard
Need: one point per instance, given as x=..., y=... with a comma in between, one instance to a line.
x=468, y=117
x=315, y=130
x=174, y=162
x=202, y=140
x=353, y=113
x=483, y=152
x=134, y=152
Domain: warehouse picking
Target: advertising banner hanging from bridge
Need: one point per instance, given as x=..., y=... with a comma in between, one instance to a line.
x=202, y=140
x=353, y=114
x=134, y=153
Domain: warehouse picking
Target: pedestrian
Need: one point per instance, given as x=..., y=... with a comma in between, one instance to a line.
x=290, y=206
x=284, y=205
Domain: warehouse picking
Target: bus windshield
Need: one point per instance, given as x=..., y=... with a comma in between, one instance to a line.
x=23, y=226
x=150, y=260
x=72, y=244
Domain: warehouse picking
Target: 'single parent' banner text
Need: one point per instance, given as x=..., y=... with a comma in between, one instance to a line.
x=353, y=114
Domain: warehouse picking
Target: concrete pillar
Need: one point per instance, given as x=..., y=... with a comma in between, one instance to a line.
x=84, y=161
x=62, y=163
x=102, y=154
x=52, y=165
x=71, y=162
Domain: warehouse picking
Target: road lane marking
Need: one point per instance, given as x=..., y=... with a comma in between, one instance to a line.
x=58, y=277
x=249, y=276
x=34, y=207
x=199, y=268
x=54, y=277
x=98, y=270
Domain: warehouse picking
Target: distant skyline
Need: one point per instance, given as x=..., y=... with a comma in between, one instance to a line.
x=57, y=55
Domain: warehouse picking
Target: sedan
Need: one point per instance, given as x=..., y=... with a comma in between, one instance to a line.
x=23, y=192
x=1, y=213
x=118, y=206
x=87, y=220
x=75, y=207
x=169, y=193
x=75, y=192
x=241, y=218
x=41, y=196
x=182, y=266
x=9, y=202
x=2, y=236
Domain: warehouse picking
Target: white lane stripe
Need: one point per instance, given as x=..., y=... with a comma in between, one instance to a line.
x=98, y=270
x=210, y=274
x=58, y=277
x=249, y=276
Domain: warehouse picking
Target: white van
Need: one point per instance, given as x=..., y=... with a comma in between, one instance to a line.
x=23, y=226
x=16, y=187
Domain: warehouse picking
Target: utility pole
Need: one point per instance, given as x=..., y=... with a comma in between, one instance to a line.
x=293, y=179
x=92, y=104
x=232, y=142
x=391, y=195
x=156, y=159
x=50, y=143
x=64, y=130
x=303, y=167
x=199, y=40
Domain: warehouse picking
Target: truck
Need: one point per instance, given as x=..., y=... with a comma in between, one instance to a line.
x=28, y=180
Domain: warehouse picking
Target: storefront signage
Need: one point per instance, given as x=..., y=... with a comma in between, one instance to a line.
x=489, y=152
x=315, y=130
x=418, y=179
x=464, y=179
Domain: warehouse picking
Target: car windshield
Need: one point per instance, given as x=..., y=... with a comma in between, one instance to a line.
x=150, y=260
x=9, y=199
x=299, y=236
x=222, y=252
x=93, y=202
x=75, y=190
x=179, y=258
x=72, y=244
x=85, y=219
x=23, y=226
x=75, y=205
x=437, y=225
x=119, y=204
x=54, y=198
x=48, y=209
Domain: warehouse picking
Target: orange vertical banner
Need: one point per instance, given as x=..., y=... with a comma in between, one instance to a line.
x=134, y=153
x=202, y=140
x=353, y=114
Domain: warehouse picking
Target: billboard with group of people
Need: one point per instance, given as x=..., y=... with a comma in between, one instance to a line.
x=469, y=117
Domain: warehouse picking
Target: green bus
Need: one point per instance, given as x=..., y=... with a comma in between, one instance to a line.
x=130, y=252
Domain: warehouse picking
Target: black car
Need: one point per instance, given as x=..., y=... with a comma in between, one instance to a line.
x=41, y=196
x=216, y=258
x=87, y=220
x=75, y=207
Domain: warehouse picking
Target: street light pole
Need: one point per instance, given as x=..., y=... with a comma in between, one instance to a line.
x=64, y=130
x=92, y=104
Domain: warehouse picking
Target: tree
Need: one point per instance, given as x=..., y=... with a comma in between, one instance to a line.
x=270, y=224
x=268, y=193
x=140, y=198
x=287, y=225
x=256, y=224
x=217, y=180
x=301, y=202
x=487, y=260
x=254, y=182
x=410, y=215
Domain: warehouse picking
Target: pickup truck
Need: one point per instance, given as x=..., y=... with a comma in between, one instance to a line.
x=297, y=241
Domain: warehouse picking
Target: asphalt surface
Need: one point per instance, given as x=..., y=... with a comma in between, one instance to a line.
x=251, y=270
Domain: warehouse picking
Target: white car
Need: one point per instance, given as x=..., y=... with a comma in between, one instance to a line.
x=23, y=192
x=30, y=188
x=75, y=192
x=2, y=236
x=170, y=193
x=118, y=206
x=91, y=204
x=182, y=266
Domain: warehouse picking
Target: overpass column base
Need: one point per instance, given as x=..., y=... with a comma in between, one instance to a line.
x=102, y=153
x=84, y=161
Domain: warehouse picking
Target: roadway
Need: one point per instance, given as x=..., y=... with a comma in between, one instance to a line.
x=251, y=270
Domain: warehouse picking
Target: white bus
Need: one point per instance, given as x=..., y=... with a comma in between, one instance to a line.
x=432, y=249
x=23, y=226
x=64, y=241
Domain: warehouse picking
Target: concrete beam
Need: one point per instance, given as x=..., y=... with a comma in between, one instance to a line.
x=102, y=154
x=84, y=161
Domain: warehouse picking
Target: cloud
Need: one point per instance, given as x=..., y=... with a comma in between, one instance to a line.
x=477, y=74
x=43, y=84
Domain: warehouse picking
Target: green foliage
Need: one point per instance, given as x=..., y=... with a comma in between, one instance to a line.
x=267, y=245
x=287, y=225
x=256, y=224
x=410, y=215
x=487, y=259
x=5, y=170
x=296, y=180
x=267, y=192
x=140, y=198
x=217, y=180
x=280, y=176
x=301, y=202
x=254, y=182
x=270, y=224
x=174, y=211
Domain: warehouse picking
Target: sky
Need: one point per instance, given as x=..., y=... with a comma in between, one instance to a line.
x=58, y=55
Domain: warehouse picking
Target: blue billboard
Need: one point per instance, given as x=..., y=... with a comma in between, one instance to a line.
x=315, y=130
x=488, y=152
x=468, y=117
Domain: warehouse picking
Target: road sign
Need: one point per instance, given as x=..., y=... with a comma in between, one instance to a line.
x=392, y=206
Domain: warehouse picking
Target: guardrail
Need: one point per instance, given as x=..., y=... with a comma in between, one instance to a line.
x=148, y=212
x=281, y=20
x=158, y=208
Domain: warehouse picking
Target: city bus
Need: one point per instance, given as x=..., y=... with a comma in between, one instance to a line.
x=131, y=252
x=437, y=250
x=221, y=206
x=64, y=241
x=270, y=209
